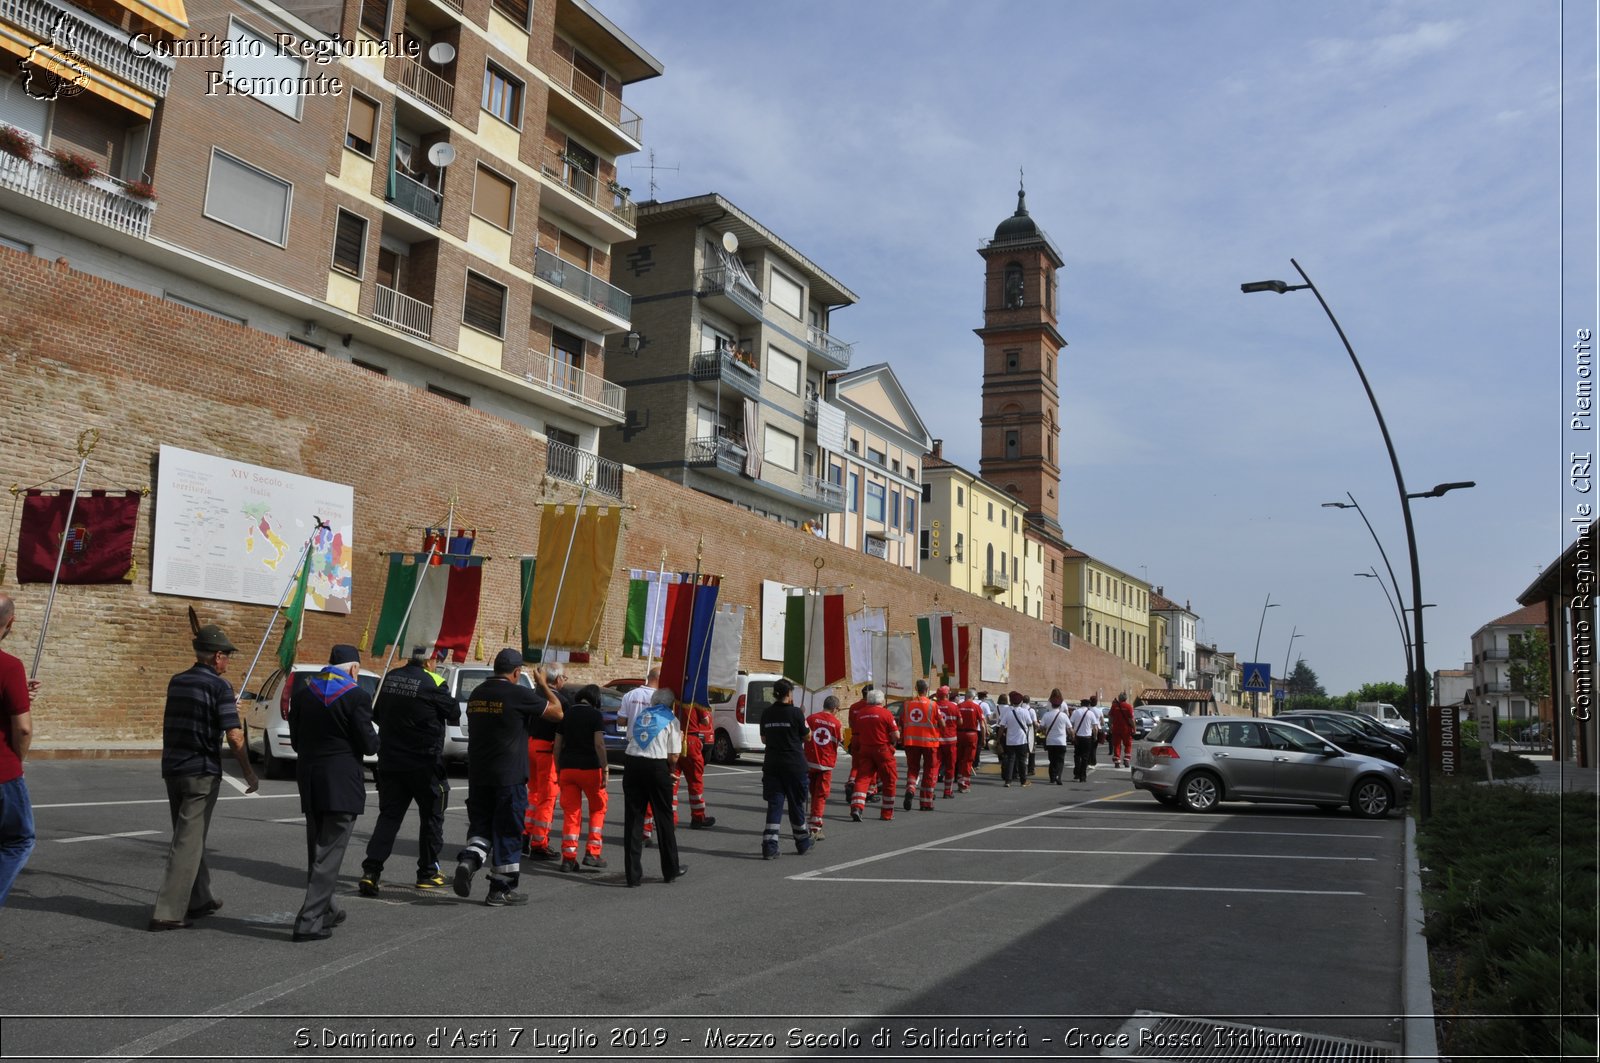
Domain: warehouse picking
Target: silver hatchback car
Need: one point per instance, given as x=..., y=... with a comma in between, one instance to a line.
x=1197, y=761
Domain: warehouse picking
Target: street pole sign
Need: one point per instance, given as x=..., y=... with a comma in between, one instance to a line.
x=1257, y=678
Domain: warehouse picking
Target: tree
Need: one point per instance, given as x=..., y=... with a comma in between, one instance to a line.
x=1530, y=664
x=1304, y=689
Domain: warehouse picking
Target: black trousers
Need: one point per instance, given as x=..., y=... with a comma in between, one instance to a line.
x=647, y=783
x=1082, y=754
x=1058, y=760
x=1015, y=764
x=429, y=789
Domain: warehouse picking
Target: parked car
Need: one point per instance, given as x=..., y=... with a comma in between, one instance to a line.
x=265, y=712
x=1372, y=725
x=1198, y=761
x=616, y=741
x=1165, y=712
x=625, y=685
x=736, y=714
x=1347, y=733
x=462, y=680
x=1143, y=720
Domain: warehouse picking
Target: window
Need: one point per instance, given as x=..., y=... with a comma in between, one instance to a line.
x=835, y=473
x=783, y=370
x=852, y=501
x=369, y=367
x=258, y=67
x=875, y=456
x=894, y=510
x=492, y=196
x=1012, y=361
x=445, y=393
x=515, y=10
x=960, y=496
x=911, y=513
x=248, y=199
x=782, y=449
x=927, y=492
x=894, y=465
x=485, y=305
x=15, y=245
x=875, y=502
x=502, y=95
x=786, y=294
x=988, y=561
x=375, y=17
x=566, y=359
x=1016, y=523
x=360, y=128
x=991, y=512
x=349, y=243
x=1013, y=286
x=855, y=446
x=923, y=539
x=1013, y=445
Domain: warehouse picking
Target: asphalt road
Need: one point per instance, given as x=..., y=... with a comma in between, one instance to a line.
x=1035, y=922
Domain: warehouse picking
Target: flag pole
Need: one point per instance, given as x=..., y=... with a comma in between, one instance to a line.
x=61, y=553
x=544, y=650
x=649, y=647
x=294, y=576
x=388, y=662
x=816, y=588
x=694, y=594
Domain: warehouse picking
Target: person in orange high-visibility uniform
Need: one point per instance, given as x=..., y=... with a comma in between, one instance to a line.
x=873, y=734
x=920, y=725
x=697, y=734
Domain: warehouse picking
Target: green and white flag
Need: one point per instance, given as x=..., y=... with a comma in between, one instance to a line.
x=294, y=616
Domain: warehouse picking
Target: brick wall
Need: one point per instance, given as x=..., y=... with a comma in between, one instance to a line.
x=79, y=352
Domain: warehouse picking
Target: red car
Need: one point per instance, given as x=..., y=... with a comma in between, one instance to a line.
x=625, y=685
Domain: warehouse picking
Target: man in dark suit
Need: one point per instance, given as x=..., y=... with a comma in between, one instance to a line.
x=330, y=727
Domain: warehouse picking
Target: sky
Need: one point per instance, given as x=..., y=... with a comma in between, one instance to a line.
x=1410, y=156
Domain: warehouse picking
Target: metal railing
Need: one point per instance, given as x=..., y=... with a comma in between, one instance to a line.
x=720, y=451
x=97, y=42
x=1495, y=655
x=422, y=83
x=998, y=578
x=104, y=201
x=825, y=491
x=812, y=404
x=720, y=280
x=825, y=346
x=416, y=199
x=402, y=312
x=558, y=374
x=587, y=187
x=588, y=91
x=553, y=269
x=564, y=462
x=720, y=365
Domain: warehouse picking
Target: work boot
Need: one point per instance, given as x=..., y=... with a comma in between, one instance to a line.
x=431, y=882
x=855, y=815
x=505, y=898
x=569, y=865
x=702, y=823
x=802, y=844
x=368, y=886
x=816, y=834
x=594, y=861
x=906, y=804
x=769, y=851
x=463, y=879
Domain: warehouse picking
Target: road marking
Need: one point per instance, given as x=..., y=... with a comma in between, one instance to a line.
x=258, y=796
x=291, y=819
x=1128, y=852
x=1082, y=886
x=1186, y=830
x=235, y=783
x=103, y=837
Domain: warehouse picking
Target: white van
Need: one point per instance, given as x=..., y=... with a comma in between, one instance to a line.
x=736, y=714
x=1385, y=714
x=1171, y=712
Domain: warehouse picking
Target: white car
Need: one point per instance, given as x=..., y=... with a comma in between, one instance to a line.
x=462, y=680
x=736, y=714
x=265, y=713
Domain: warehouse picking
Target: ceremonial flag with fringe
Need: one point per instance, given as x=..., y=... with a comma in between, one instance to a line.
x=99, y=543
x=892, y=657
x=536, y=654
x=445, y=610
x=994, y=657
x=568, y=598
x=646, y=622
x=862, y=625
x=814, y=638
x=686, y=647
x=294, y=613
x=936, y=633
x=727, y=643
x=963, y=652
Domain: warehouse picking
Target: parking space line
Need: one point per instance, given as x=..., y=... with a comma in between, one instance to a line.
x=104, y=837
x=1082, y=886
x=237, y=784
x=1131, y=852
x=157, y=801
x=291, y=819
x=1191, y=830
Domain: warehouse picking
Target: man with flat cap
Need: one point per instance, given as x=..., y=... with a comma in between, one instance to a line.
x=200, y=713
x=414, y=707
x=500, y=715
x=330, y=727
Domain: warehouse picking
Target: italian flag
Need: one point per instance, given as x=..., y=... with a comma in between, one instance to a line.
x=814, y=638
x=649, y=603
x=444, y=609
x=936, y=633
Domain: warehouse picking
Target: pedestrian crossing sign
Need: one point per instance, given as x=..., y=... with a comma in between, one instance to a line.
x=1257, y=678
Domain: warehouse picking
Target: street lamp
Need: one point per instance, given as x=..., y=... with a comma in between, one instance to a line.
x=1293, y=635
x=1425, y=796
x=1405, y=640
x=1255, y=655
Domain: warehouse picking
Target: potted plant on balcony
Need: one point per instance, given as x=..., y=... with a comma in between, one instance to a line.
x=78, y=167
x=141, y=190
x=619, y=190
x=14, y=141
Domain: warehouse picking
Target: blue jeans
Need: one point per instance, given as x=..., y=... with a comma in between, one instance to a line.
x=16, y=833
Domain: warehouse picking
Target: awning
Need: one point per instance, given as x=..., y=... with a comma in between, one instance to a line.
x=167, y=14
x=93, y=80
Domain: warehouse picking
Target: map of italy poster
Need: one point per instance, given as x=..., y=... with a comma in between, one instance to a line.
x=231, y=531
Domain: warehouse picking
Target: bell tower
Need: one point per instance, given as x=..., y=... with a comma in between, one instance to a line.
x=1021, y=347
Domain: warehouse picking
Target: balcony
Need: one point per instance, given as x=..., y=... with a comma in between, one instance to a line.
x=562, y=377
x=829, y=495
x=1495, y=655
x=579, y=91
x=718, y=451
x=420, y=82
x=568, y=463
x=416, y=199
x=812, y=404
x=997, y=579
x=835, y=352
x=399, y=311
x=617, y=215
x=731, y=292
x=94, y=40
x=582, y=285
x=721, y=367
x=102, y=199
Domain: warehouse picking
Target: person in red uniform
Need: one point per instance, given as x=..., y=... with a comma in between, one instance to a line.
x=920, y=725
x=871, y=789
x=873, y=736
x=544, y=784
x=822, y=753
x=1121, y=731
x=949, y=718
x=972, y=730
x=697, y=734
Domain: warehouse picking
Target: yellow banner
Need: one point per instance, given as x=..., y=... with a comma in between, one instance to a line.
x=577, y=554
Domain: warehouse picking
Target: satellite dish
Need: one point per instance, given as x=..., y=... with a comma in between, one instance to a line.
x=441, y=154
x=441, y=53
x=730, y=243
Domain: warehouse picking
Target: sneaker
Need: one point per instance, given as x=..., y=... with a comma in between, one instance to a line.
x=906, y=804
x=431, y=882
x=817, y=835
x=594, y=861
x=569, y=865
x=769, y=853
x=702, y=823
x=368, y=886
x=802, y=845
x=855, y=815
x=463, y=880
x=505, y=898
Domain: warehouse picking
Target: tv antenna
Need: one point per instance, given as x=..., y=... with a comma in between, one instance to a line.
x=652, y=167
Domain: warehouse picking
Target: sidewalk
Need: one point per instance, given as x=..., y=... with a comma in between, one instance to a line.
x=1555, y=777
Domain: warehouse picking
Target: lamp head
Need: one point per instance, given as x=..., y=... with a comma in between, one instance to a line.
x=1264, y=286
x=1338, y=505
x=1441, y=489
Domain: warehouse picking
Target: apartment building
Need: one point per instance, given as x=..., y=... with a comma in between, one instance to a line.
x=880, y=466
x=1179, y=651
x=1106, y=607
x=727, y=361
x=1491, y=662
x=1218, y=672
x=974, y=536
x=426, y=188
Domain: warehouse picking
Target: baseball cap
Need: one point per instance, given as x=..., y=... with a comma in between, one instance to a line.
x=507, y=661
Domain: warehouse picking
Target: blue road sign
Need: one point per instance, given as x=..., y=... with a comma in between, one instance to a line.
x=1257, y=678
x=1280, y=694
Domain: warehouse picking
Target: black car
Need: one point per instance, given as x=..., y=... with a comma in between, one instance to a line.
x=1348, y=734
x=615, y=740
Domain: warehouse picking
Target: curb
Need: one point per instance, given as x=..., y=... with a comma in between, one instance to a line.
x=1419, y=1037
x=99, y=751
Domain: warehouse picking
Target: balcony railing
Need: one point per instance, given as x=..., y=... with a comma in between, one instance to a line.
x=560, y=375
x=553, y=269
x=720, y=451
x=402, y=312
x=1495, y=655
x=563, y=462
x=607, y=105
x=422, y=83
x=826, y=347
x=416, y=199
x=812, y=404
x=828, y=493
x=1060, y=636
x=103, y=201
x=724, y=367
x=587, y=187
x=998, y=578
x=92, y=39
x=731, y=283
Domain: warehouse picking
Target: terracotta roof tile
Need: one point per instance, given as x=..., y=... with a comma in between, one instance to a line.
x=1537, y=613
x=1158, y=696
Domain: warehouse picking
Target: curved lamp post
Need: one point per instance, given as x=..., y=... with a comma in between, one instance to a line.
x=1255, y=655
x=1405, y=640
x=1417, y=679
x=1295, y=634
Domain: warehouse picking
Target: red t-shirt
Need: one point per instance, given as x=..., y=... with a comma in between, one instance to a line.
x=949, y=720
x=13, y=702
x=971, y=716
x=822, y=747
x=872, y=728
